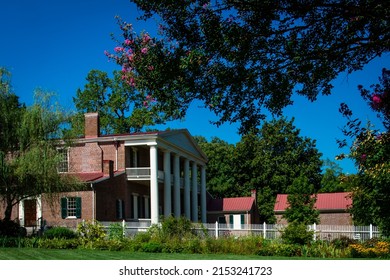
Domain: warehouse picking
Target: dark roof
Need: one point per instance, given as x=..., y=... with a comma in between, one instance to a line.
x=325, y=201
x=93, y=177
x=231, y=204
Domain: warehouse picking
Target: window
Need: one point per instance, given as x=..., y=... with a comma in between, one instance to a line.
x=63, y=165
x=71, y=207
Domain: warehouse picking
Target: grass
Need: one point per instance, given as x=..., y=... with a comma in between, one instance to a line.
x=84, y=254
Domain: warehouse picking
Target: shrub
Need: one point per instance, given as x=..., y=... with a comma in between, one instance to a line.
x=343, y=242
x=373, y=248
x=91, y=231
x=11, y=228
x=115, y=231
x=152, y=247
x=58, y=243
x=297, y=233
x=59, y=232
x=176, y=227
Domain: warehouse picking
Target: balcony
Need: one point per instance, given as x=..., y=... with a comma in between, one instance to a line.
x=142, y=173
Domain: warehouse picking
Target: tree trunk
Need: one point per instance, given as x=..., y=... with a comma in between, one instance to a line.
x=8, y=209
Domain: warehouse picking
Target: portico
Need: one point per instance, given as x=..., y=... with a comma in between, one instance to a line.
x=174, y=168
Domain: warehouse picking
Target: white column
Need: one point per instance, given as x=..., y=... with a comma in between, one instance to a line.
x=135, y=206
x=135, y=157
x=194, y=201
x=187, y=189
x=176, y=186
x=147, y=207
x=153, y=185
x=203, y=194
x=167, y=184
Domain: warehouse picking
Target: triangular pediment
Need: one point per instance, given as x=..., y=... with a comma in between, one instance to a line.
x=183, y=141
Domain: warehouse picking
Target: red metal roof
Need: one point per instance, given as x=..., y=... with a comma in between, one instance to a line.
x=325, y=201
x=88, y=176
x=231, y=204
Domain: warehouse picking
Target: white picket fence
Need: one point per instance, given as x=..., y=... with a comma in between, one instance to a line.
x=269, y=231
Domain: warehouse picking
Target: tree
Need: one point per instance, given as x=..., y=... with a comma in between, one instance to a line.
x=31, y=170
x=301, y=200
x=121, y=108
x=370, y=151
x=220, y=178
x=333, y=179
x=11, y=111
x=245, y=58
x=270, y=160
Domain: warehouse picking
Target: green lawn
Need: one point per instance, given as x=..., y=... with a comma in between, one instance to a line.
x=54, y=254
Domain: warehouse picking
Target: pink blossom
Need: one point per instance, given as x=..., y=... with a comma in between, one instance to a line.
x=144, y=50
x=118, y=49
x=376, y=98
x=146, y=38
x=364, y=156
x=128, y=42
x=151, y=68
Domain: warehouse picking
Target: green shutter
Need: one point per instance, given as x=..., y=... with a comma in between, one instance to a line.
x=242, y=219
x=231, y=219
x=78, y=207
x=64, y=207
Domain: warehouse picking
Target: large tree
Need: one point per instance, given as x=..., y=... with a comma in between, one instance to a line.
x=270, y=161
x=371, y=152
x=31, y=169
x=245, y=58
x=220, y=177
x=122, y=109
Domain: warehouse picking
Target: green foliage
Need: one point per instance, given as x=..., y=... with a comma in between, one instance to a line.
x=270, y=161
x=297, y=233
x=90, y=232
x=59, y=243
x=121, y=108
x=30, y=167
x=60, y=233
x=220, y=177
x=369, y=151
x=343, y=242
x=375, y=248
x=301, y=201
x=242, y=59
x=115, y=231
x=11, y=229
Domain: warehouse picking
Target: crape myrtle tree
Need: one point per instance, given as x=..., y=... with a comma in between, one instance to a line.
x=246, y=58
x=269, y=161
x=122, y=109
x=28, y=167
x=371, y=152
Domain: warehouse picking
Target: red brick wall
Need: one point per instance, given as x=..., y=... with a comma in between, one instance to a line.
x=51, y=210
x=86, y=158
x=326, y=219
x=107, y=192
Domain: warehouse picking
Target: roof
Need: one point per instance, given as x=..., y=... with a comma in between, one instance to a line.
x=231, y=204
x=325, y=201
x=93, y=177
x=89, y=177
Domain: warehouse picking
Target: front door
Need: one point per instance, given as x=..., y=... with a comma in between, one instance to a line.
x=30, y=212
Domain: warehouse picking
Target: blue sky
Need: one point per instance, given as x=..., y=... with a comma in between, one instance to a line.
x=54, y=44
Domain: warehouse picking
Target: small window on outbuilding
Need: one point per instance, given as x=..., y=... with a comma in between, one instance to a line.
x=71, y=207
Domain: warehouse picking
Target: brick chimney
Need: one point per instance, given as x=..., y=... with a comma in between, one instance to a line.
x=254, y=194
x=91, y=125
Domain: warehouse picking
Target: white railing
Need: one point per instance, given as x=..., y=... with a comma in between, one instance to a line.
x=268, y=231
x=142, y=173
